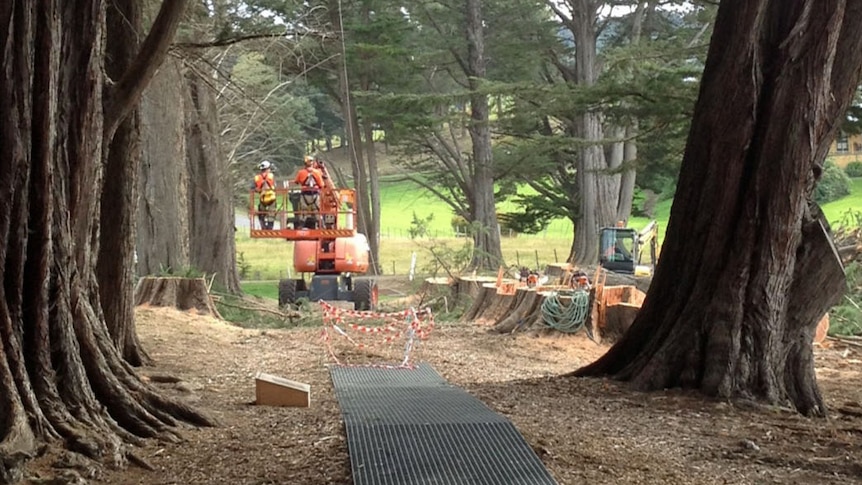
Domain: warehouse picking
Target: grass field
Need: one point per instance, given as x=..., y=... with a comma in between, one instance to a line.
x=264, y=259
x=836, y=210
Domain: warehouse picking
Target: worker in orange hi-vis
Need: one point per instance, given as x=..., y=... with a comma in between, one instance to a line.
x=264, y=185
x=310, y=182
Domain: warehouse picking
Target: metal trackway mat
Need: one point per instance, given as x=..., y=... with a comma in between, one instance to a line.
x=411, y=427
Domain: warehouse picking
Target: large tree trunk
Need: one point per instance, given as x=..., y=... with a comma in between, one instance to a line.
x=487, y=253
x=629, y=174
x=116, y=265
x=746, y=269
x=368, y=222
x=598, y=190
x=212, y=245
x=62, y=378
x=162, y=232
x=373, y=225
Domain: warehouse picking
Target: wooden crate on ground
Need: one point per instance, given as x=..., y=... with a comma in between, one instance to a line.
x=273, y=390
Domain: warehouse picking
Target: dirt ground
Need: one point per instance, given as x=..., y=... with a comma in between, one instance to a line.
x=584, y=430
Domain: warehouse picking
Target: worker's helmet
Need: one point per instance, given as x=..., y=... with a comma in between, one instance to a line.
x=264, y=165
x=308, y=161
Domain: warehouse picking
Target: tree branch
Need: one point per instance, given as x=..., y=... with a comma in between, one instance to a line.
x=244, y=38
x=125, y=93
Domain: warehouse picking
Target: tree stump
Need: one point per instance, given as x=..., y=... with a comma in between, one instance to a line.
x=471, y=286
x=556, y=272
x=524, y=312
x=500, y=304
x=176, y=292
x=433, y=288
x=483, y=299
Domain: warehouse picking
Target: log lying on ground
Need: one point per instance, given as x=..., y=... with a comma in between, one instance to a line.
x=176, y=292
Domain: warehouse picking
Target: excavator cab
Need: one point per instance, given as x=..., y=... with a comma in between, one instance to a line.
x=621, y=249
x=618, y=249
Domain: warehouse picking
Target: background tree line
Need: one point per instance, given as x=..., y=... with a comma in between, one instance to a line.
x=585, y=104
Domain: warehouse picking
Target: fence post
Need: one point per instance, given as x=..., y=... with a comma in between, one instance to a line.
x=412, y=266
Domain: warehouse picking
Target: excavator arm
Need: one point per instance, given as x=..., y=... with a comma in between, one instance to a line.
x=648, y=236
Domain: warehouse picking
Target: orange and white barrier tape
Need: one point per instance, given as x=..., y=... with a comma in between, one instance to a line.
x=408, y=324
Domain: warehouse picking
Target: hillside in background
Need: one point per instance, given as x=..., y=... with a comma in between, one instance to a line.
x=340, y=157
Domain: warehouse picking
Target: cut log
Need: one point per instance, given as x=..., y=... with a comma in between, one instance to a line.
x=180, y=293
x=272, y=390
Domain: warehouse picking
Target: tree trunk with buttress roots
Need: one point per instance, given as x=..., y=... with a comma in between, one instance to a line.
x=487, y=253
x=62, y=379
x=116, y=266
x=747, y=268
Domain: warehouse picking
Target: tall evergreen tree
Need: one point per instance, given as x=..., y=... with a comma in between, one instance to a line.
x=62, y=378
x=748, y=266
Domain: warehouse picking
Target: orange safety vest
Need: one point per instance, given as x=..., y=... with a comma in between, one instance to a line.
x=309, y=179
x=259, y=180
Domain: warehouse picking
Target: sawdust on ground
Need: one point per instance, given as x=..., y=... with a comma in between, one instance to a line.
x=584, y=430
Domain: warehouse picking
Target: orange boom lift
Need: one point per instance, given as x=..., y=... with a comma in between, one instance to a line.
x=328, y=253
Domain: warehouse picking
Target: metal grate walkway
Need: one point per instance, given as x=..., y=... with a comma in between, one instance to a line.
x=409, y=426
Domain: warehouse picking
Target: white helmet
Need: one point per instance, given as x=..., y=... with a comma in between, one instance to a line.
x=264, y=165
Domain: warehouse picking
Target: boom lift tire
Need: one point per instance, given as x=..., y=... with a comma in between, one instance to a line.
x=365, y=294
x=286, y=292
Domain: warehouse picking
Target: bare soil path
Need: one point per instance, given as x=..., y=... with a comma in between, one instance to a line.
x=585, y=431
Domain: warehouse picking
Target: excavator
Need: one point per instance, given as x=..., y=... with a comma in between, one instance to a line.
x=622, y=249
x=329, y=254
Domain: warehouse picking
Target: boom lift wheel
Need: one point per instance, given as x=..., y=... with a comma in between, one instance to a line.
x=286, y=292
x=365, y=294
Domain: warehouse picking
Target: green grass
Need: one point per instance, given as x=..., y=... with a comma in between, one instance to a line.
x=272, y=259
x=263, y=289
x=837, y=209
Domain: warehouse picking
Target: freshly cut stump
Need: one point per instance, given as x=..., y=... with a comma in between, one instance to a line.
x=181, y=293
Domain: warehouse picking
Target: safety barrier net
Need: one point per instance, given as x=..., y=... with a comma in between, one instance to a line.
x=367, y=338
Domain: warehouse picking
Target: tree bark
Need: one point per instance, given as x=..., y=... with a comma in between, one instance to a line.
x=373, y=226
x=61, y=376
x=116, y=265
x=487, y=252
x=162, y=218
x=598, y=190
x=212, y=245
x=365, y=176
x=747, y=268
x=629, y=174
